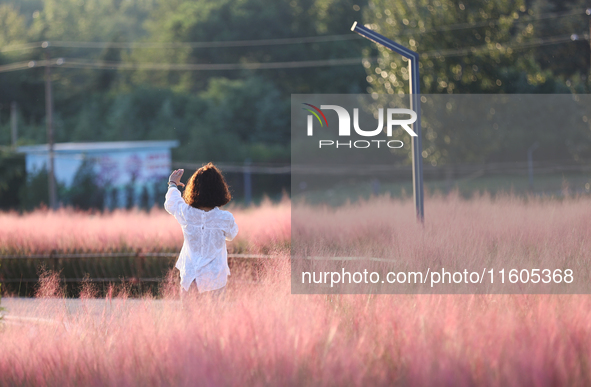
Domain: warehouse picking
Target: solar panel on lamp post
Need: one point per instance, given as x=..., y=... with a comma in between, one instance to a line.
x=414, y=91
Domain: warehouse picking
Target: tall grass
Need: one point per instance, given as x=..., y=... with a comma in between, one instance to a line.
x=505, y=232
x=264, y=335
x=261, y=228
x=267, y=336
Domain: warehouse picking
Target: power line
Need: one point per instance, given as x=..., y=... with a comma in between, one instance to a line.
x=21, y=47
x=85, y=64
x=492, y=23
x=165, y=45
x=24, y=65
x=93, y=64
x=516, y=46
x=272, y=42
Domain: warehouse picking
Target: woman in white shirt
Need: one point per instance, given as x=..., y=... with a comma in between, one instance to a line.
x=203, y=261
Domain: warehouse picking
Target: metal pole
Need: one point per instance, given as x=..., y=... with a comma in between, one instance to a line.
x=49, y=124
x=417, y=149
x=413, y=77
x=13, y=124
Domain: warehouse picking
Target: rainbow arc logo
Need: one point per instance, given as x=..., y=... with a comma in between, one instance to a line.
x=313, y=112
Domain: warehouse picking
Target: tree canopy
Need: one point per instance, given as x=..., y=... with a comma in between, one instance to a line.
x=488, y=46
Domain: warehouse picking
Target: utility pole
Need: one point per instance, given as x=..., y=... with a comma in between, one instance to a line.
x=49, y=124
x=13, y=123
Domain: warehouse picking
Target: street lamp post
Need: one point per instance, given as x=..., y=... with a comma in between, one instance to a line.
x=413, y=80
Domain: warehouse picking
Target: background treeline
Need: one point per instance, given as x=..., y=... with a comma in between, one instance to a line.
x=486, y=46
x=217, y=115
x=489, y=46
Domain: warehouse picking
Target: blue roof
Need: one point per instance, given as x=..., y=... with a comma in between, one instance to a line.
x=86, y=147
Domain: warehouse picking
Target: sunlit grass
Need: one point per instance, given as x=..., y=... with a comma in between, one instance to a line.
x=262, y=228
x=264, y=335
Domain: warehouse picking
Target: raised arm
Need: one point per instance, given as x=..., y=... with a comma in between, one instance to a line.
x=174, y=203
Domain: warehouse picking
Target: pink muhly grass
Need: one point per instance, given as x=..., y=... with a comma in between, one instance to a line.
x=88, y=290
x=66, y=230
x=264, y=335
x=483, y=230
x=267, y=336
x=49, y=285
x=265, y=227
x=169, y=287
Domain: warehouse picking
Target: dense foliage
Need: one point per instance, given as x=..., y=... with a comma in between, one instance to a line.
x=226, y=115
x=492, y=46
x=230, y=115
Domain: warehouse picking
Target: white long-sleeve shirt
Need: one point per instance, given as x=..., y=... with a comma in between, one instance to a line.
x=204, y=257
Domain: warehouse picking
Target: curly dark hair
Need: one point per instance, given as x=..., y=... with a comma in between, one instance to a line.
x=207, y=188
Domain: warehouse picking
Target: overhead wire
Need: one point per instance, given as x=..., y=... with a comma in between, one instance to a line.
x=110, y=65
x=271, y=42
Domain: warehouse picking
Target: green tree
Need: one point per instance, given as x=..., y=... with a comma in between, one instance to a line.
x=12, y=26
x=85, y=193
x=568, y=60
x=14, y=85
x=227, y=115
x=206, y=21
x=36, y=193
x=12, y=178
x=480, y=55
x=474, y=58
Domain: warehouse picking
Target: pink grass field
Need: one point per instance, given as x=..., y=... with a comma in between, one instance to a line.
x=41, y=231
x=263, y=335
